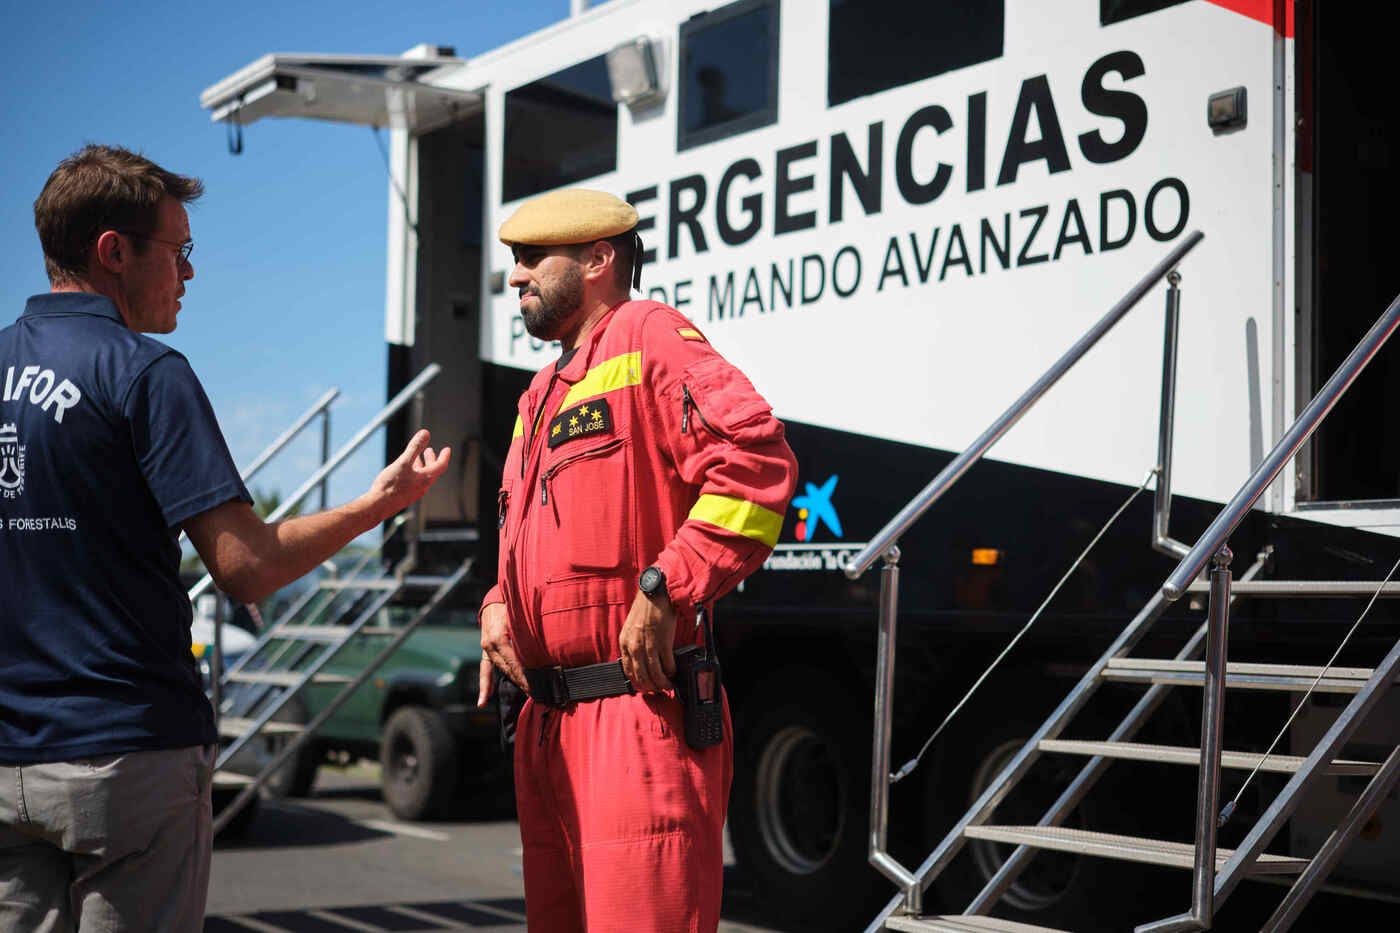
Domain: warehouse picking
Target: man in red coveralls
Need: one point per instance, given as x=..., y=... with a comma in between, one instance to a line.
x=645, y=478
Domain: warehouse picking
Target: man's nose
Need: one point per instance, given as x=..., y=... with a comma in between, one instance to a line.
x=518, y=278
x=186, y=270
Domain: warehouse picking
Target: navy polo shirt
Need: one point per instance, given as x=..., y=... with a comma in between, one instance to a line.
x=107, y=444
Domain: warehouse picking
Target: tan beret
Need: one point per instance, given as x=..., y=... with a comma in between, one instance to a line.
x=573, y=215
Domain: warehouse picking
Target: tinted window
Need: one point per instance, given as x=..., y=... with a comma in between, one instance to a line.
x=729, y=72
x=1115, y=11
x=874, y=45
x=559, y=130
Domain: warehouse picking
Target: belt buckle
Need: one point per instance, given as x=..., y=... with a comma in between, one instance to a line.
x=560, y=685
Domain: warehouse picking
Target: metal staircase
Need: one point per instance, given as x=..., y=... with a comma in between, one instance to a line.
x=291, y=653
x=1201, y=664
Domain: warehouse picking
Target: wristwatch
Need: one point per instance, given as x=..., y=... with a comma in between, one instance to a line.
x=652, y=582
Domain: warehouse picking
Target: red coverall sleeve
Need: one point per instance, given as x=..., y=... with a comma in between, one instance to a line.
x=727, y=446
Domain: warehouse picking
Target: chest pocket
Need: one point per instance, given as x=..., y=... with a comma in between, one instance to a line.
x=586, y=501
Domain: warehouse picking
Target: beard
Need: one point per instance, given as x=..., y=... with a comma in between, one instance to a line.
x=558, y=301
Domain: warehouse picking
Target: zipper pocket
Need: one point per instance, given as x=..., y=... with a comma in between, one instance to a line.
x=502, y=504
x=549, y=474
x=687, y=403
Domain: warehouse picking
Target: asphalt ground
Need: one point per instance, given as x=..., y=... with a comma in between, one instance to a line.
x=339, y=861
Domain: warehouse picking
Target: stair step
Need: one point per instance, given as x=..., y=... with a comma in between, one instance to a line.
x=1288, y=677
x=1183, y=755
x=380, y=584
x=285, y=678
x=426, y=581
x=227, y=779
x=231, y=727
x=377, y=584
x=961, y=923
x=330, y=634
x=1125, y=848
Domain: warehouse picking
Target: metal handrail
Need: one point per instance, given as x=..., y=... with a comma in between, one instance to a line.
x=914, y=510
x=1215, y=536
x=404, y=397
x=885, y=544
x=319, y=407
x=291, y=433
x=1210, y=884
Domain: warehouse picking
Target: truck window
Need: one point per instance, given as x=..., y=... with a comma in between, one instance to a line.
x=874, y=45
x=728, y=72
x=559, y=130
x=1115, y=11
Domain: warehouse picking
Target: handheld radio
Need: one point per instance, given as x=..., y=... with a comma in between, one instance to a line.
x=698, y=683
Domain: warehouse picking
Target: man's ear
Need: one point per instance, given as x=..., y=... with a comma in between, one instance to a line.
x=111, y=252
x=599, y=261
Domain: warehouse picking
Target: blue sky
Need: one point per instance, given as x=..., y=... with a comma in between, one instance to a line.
x=288, y=294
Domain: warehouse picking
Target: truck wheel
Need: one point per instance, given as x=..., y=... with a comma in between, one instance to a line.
x=419, y=763
x=799, y=806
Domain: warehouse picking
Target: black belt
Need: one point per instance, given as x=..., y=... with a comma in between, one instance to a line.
x=560, y=686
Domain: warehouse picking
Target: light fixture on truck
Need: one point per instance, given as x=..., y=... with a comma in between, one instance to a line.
x=632, y=73
x=985, y=557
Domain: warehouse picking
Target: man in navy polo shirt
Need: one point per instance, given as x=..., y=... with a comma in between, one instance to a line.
x=108, y=447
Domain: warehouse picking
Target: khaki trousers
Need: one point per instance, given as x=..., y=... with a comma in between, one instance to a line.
x=112, y=844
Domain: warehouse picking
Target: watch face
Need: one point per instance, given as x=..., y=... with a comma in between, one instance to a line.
x=651, y=580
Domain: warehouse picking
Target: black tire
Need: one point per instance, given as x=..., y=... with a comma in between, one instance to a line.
x=799, y=808
x=420, y=765
x=297, y=777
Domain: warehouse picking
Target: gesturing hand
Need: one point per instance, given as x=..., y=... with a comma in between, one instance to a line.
x=497, y=651
x=647, y=642
x=404, y=481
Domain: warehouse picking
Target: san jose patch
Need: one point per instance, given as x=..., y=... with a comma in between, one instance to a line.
x=586, y=420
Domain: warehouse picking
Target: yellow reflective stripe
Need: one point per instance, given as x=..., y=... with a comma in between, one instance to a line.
x=518, y=430
x=739, y=516
x=616, y=373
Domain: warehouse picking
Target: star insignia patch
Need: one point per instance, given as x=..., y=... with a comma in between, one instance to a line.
x=586, y=420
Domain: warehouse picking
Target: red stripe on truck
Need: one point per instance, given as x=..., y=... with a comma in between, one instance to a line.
x=1276, y=13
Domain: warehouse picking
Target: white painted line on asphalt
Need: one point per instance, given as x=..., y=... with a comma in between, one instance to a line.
x=403, y=829
x=417, y=914
x=496, y=910
x=422, y=916
x=251, y=924
x=348, y=922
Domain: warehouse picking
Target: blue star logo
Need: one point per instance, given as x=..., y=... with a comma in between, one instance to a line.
x=814, y=507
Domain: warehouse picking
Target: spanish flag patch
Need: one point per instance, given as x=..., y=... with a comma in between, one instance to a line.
x=690, y=333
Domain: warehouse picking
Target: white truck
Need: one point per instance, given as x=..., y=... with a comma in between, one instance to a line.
x=894, y=215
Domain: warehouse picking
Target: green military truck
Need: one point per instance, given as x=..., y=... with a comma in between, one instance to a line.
x=416, y=716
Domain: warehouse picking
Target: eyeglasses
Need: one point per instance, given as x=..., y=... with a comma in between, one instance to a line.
x=184, y=248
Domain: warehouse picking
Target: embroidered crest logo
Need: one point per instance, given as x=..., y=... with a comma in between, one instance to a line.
x=11, y=462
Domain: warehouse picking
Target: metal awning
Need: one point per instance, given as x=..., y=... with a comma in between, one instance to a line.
x=371, y=90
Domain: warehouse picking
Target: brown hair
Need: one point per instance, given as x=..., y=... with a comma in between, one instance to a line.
x=100, y=188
